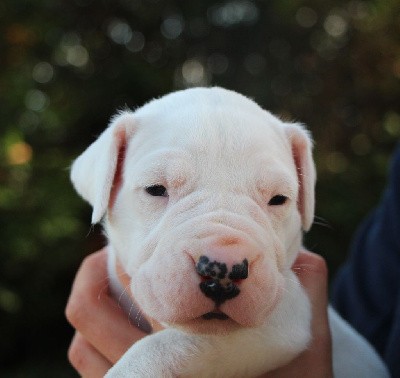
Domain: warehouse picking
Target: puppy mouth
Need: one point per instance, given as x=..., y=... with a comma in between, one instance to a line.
x=216, y=314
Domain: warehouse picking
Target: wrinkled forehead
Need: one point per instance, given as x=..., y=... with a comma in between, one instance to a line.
x=214, y=134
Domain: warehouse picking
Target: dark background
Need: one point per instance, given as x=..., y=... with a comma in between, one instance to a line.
x=66, y=66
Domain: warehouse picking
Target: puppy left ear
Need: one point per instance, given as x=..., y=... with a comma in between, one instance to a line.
x=301, y=144
x=96, y=173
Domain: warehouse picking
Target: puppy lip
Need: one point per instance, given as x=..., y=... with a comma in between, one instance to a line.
x=216, y=314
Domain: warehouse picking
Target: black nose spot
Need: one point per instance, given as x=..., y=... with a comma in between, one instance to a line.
x=240, y=271
x=217, y=284
x=214, y=269
x=219, y=293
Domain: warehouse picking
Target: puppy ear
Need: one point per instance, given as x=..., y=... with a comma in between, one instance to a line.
x=301, y=144
x=96, y=172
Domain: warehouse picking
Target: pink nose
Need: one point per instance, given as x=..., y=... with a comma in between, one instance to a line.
x=222, y=267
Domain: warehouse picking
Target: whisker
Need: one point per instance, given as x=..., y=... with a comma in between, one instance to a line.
x=129, y=315
x=303, y=268
x=319, y=221
x=125, y=291
x=291, y=280
x=300, y=268
x=138, y=317
x=91, y=230
x=103, y=289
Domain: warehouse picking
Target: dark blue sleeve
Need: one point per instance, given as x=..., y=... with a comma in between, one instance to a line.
x=366, y=291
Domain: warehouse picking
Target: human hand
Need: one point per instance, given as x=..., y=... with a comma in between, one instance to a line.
x=104, y=333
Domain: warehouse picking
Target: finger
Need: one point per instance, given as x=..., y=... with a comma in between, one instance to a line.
x=310, y=268
x=312, y=272
x=313, y=275
x=96, y=315
x=86, y=360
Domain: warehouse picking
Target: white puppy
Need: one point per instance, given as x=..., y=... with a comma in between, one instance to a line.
x=204, y=198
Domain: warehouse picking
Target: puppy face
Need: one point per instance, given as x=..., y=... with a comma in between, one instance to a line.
x=205, y=196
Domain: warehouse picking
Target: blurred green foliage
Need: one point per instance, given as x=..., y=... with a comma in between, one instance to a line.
x=66, y=66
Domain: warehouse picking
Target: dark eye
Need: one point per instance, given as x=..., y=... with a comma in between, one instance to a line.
x=277, y=200
x=157, y=191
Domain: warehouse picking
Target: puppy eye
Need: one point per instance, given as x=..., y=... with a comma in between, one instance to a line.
x=277, y=200
x=157, y=191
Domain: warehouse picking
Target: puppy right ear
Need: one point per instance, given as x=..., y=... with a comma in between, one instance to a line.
x=301, y=144
x=95, y=171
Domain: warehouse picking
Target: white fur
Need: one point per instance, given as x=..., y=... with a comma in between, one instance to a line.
x=222, y=159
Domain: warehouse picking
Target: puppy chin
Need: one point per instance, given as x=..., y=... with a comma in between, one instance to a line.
x=209, y=326
x=217, y=322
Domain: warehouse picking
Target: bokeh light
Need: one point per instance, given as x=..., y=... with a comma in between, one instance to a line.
x=19, y=153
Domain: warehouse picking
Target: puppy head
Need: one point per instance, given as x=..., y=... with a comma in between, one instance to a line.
x=205, y=196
